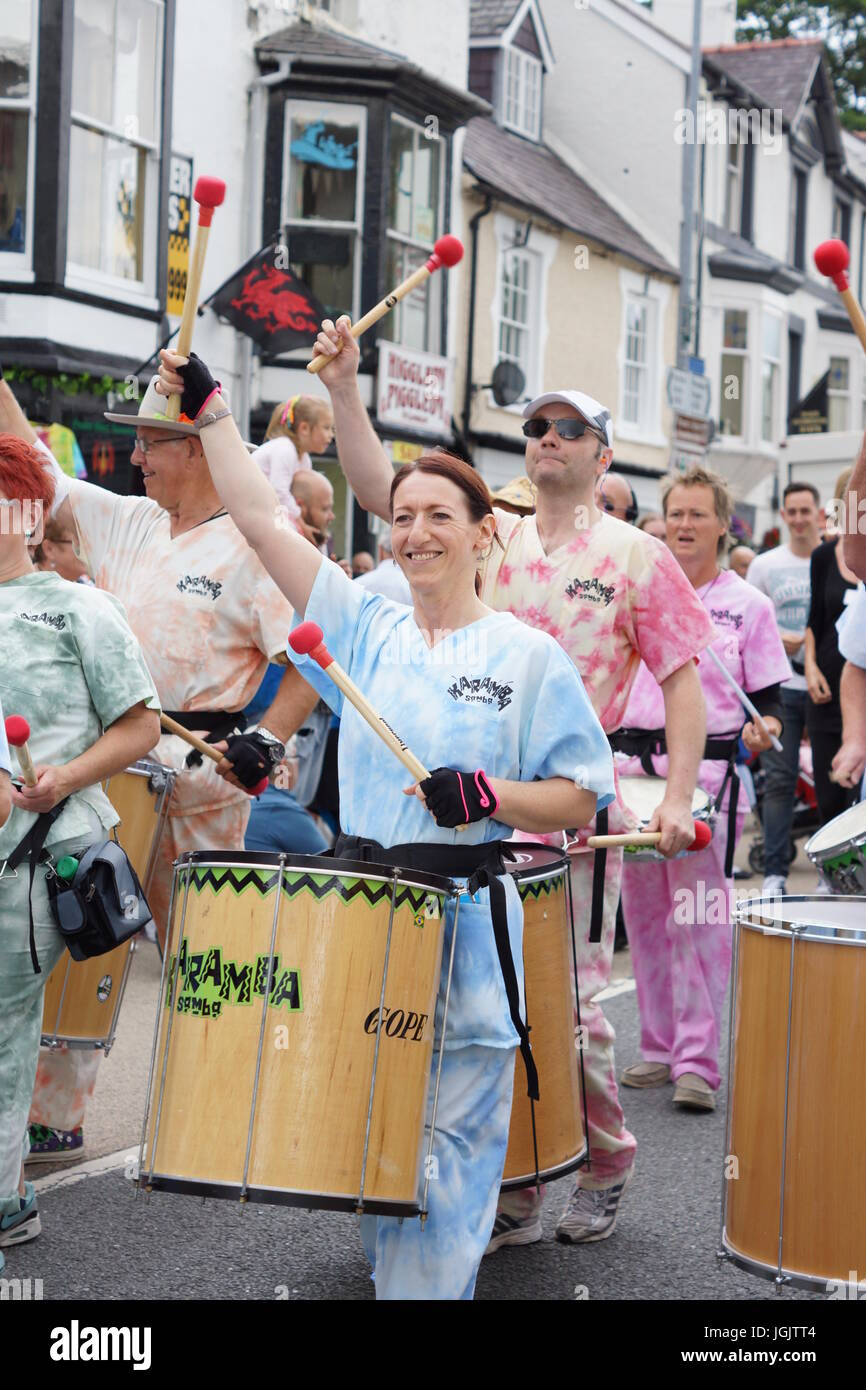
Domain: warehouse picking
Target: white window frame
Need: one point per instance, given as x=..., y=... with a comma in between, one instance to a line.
x=840, y=395
x=776, y=365
x=82, y=277
x=18, y=265
x=733, y=180
x=522, y=63
x=653, y=295
x=434, y=319
x=746, y=357
x=541, y=248
x=327, y=111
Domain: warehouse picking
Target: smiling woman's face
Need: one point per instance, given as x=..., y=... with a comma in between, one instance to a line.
x=434, y=539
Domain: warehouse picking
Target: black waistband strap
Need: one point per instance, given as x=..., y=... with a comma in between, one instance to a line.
x=647, y=744
x=482, y=866
x=31, y=847
x=599, y=868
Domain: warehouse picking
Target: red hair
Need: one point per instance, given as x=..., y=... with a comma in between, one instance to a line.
x=24, y=476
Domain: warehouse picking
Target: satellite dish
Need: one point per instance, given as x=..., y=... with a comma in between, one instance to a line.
x=508, y=383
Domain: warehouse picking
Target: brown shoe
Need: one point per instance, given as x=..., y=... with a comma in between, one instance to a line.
x=646, y=1074
x=693, y=1093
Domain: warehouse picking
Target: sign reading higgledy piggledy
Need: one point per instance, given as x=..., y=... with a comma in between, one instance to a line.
x=415, y=390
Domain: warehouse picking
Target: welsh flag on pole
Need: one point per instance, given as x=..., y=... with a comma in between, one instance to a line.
x=268, y=303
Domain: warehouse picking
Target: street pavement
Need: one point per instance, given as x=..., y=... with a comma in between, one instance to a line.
x=101, y=1240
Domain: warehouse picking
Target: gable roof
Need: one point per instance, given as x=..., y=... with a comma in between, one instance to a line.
x=780, y=72
x=319, y=41
x=490, y=18
x=534, y=177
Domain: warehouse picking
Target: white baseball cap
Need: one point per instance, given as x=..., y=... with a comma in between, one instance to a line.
x=593, y=412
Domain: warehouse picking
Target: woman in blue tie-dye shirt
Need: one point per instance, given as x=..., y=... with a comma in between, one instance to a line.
x=499, y=711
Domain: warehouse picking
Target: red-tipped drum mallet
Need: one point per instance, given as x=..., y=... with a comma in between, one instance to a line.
x=447, y=251
x=171, y=726
x=209, y=193
x=703, y=835
x=308, y=640
x=17, y=734
x=832, y=258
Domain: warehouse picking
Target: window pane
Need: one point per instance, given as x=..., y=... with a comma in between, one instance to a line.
x=731, y=394
x=772, y=336
x=407, y=322
x=136, y=63
x=106, y=204
x=736, y=322
x=769, y=376
x=837, y=412
x=425, y=223
x=93, y=59
x=323, y=169
x=401, y=170
x=839, y=374
x=15, y=29
x=13, y=179
x=331, y=284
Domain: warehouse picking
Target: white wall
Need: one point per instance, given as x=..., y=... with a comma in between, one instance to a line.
x=435, y=36
x=718, y=19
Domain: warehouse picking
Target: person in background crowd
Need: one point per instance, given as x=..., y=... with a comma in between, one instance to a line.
x=616, y=497
x=298, y=428
x=314, y=497
x=855, y=511
x=56, y=552
x=387, y=578
x=362, y=563
x=850, y=762
x=517, y=497
x=831, y=583
x=783, y=574
x=653, y=524
x=740, y=560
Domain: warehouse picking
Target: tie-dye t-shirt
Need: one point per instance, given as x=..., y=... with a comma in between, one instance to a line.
x=750, y=648
x=5, y=762
x=208, y=615
x=70, y=665
x=490, y=695
x=610, y=597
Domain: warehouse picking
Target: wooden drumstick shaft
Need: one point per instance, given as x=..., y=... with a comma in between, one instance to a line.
x=378, y=312
x=25, y=762
x=855, y=314
x=172, y=727
x=208, y=193
x=642, y=837
x=743, y=699
x=345, y=683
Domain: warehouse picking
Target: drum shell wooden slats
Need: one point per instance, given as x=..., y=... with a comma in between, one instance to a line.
x=550, y=1006
x=824, y=1222
x=311, y=1110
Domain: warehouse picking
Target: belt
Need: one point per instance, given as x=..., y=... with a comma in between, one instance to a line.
x=483, y=867
x=649, y=743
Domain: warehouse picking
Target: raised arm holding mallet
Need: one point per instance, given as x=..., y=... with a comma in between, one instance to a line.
x=209, y=193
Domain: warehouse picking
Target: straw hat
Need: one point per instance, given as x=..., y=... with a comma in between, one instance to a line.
x=520, y=492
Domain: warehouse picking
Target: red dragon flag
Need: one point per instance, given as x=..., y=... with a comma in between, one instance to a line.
x=268, y=303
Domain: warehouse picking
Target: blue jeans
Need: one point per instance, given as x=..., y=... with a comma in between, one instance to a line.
x=782, y=770
x=278, y=824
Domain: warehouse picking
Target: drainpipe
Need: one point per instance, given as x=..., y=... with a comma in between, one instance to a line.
x=253, y=185
x=470, y=342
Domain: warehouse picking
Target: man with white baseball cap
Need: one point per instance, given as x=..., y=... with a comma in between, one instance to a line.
x=607, y=592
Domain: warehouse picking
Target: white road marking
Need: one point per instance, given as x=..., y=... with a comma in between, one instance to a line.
x=623, y=987
x=67, y=1177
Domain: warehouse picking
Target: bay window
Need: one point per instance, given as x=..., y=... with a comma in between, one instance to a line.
x=734, y=363
x=17, y=111
x=414, y=211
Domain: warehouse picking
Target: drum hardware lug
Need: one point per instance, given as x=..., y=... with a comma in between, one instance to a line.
x=157, y=782
x=722, y=1255
x=780, y=1280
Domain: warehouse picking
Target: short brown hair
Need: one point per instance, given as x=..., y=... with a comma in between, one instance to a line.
x=802, y=487
x=697, y=476
x=298, y=410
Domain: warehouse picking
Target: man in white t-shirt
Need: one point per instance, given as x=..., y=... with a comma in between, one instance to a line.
x=387, y=578
x=783, y=575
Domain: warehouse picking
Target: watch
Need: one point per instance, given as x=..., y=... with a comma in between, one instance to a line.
x=269, y=738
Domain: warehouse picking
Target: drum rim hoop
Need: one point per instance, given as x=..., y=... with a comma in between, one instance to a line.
x=539, y=872
x=782, y=928
x=316, y=863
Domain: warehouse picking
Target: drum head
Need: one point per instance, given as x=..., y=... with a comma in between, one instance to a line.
x=839, y=833
x=313, y=864
x=533, y=860
x=643, y=795
x=843, y=916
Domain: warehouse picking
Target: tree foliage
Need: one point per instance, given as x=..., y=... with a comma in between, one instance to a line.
x=842, y=26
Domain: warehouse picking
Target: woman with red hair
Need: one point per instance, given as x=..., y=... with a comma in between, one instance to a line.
x=71, y=667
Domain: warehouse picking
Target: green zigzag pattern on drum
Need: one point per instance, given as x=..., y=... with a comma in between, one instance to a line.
x=545, y=885
x=319, y=885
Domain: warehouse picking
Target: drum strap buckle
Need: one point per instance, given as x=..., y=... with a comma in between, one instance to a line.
x=5, y=872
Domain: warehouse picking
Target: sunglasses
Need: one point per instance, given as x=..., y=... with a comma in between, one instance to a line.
x=566, y=429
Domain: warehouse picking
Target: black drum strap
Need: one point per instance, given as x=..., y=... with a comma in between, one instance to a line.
x=599, y=868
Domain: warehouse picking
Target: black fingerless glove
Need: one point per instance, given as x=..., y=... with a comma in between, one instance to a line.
x=253, y=757
x=458, y=798
x=198, y=385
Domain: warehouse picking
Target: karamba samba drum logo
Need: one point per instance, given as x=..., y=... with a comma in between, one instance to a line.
x=208, y=982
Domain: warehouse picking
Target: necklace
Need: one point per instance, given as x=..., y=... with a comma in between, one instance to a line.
x=705, y=595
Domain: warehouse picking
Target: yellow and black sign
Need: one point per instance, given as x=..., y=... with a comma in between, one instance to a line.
x=179, y=217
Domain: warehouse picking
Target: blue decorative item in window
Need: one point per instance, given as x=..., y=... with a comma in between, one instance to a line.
x=314, y=147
